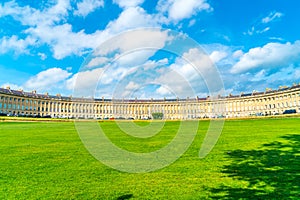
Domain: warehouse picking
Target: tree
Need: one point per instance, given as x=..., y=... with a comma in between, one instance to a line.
x=157, y=115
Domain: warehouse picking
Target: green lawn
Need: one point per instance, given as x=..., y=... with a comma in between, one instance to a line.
x=253, y=159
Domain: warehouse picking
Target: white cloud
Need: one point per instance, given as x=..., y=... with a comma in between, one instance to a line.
x=15, y=44
x=85, y=7
x=132, y=86
x=261, y=75
x=250, y=31
x=42, y=23
x=271, y=17
x=47, y=79
x=277, y=39
x=100, y=60
x=77, y=43
x=172, y=82
x=270, y=55
x=13, y=9
x=275, y=78
x=216, y=56
x=200, y=61
x=42, y=56
x=253, y=31
x=163, y=91
x=192, y=23
x=134, y=47
x=130, y=18
x=297, y=74
x=29, y=16
x=263, y=30
x=151, y=64
x=128, y=3
x=238, y=54
x=182, y=9
x=188, y=76
x=185, y=69
x=261, y=26
x=134, y=58
x=113, y=74
x=180, y=79
x=12, y=86
x=119, y=58
x=48, y=26
x=84, y=83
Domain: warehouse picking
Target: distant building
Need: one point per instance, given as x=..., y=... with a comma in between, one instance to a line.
x=270, y=102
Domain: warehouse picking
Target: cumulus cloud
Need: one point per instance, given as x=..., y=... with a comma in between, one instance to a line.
x=273, y=79
x=85, y=7
x=173, y=84
x=134, y=58
x=216, y=56
x=15, y=44
x=85, y=81
x=119, y=58
x=96, y=61
x=133, y=47
x=184, y=78
x=42, y=21
x=162, y=90
x=29, y=16
x=182, y=9
x=238, y=54
x=151, y=64
x=132, y=86
x=47, y=79
x=192, y=74
x=109, y=82
x=128, y=3
x=200, y=61
x=270, y=55
x=12, y=86
x=133, y=17
x=261, y=75
x=75, y=44
x=79, y=42
x=128, y=91
x=48, y=26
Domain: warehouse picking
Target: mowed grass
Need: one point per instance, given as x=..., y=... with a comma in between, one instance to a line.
x=253, y=159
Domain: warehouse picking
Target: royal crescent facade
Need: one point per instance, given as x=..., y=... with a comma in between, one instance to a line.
x=270, y=102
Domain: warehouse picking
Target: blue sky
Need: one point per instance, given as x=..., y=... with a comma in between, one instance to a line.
x=46, y=45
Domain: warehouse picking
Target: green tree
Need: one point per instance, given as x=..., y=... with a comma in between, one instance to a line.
x=157, y=115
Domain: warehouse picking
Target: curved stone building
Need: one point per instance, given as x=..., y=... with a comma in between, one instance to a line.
x=270, y=102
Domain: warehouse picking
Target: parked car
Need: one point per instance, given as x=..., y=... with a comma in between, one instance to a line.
x=291, y=111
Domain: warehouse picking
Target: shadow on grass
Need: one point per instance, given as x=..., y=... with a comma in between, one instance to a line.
x=270, y=172
x=124, y=197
